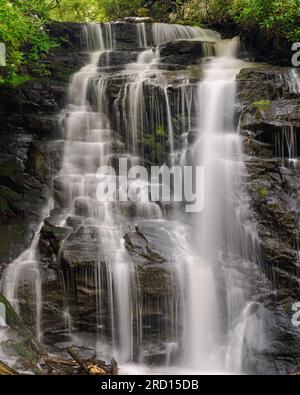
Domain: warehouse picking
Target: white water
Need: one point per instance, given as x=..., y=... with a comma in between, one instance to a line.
x=294, y=81
x=23, y=275
x=163, y=33
x=220, y=227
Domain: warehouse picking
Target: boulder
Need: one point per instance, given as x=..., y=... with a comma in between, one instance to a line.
x=126, y=37
x=270, y=126
x=262, y=83
x=137, y=243
x=183, y=52
x=117, y=59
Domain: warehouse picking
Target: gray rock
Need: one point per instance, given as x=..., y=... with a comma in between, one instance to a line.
x=183, y=52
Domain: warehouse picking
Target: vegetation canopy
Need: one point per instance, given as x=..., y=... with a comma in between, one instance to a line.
x=22, y=22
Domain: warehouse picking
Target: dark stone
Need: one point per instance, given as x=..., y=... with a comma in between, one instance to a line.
x=125, y=36
x=182, y=52
x=28, y=116
x=135, y=19
x=116, y=59
x=137, y=243
x=262, y=83
x=51, y=239
x=270, y=125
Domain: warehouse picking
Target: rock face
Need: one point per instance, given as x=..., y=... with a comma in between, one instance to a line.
x=29, y=153
x=182, y=52
x=17, y=341
x=126, y=38
x=270, y=123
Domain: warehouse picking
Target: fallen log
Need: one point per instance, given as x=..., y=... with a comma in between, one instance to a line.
x=93, y=367
x=5, y=370
x=75, y=355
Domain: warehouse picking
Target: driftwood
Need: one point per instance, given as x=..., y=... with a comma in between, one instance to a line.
x=53, y=365
x=93, y=367
x=75, y=355
x=78, y=365
x=6, y=370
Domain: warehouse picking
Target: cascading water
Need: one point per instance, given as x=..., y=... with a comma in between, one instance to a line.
x=163, y=33
x=294, y=81
x=205, y=313
x=23, y=276
x=220, y=231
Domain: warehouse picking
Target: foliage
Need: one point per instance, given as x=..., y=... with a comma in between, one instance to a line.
x=263, y=192
x=115, y=9
x=262, y=105
x=22, y=31
x=22, y=22
x=78, y=11
x=275, y=17
x=96, y=10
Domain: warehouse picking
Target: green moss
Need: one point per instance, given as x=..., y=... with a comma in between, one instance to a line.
x=262, y=105
x=17, y=80
x=161, y=131
x=263, y=192
x=8, y=169
x=9, y=194
x=39, y=163
x=20, y=349
x=13, y=320
x=4, y=208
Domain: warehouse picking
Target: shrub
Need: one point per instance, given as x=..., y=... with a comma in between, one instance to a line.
x=22, y=31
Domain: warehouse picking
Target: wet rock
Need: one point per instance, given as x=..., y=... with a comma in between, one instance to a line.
x=156, y=281
x=262, y=83
x=51, y=239
x=86, y=247
x=28, y=115
x=44, y=159
x=182, y=52
x=137, y=243
x=192, y=136
x=68, y=34
x=116, y=59
x=136, y=19
x=266, y=114
x=17, y=341
x=126, y=37
x=270, y=125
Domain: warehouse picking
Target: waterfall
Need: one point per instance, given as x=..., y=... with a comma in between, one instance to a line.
x=294, y=81
x=142, y=35
x=163, y=33
x=23, y=273
x=204, y=314
x=220, y=230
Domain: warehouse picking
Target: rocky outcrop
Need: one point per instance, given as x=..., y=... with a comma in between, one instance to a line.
x=137, y=243
x=183, y=52
x=270, y=123
x=29, y=152
x=18, y=345
x=126, y=38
